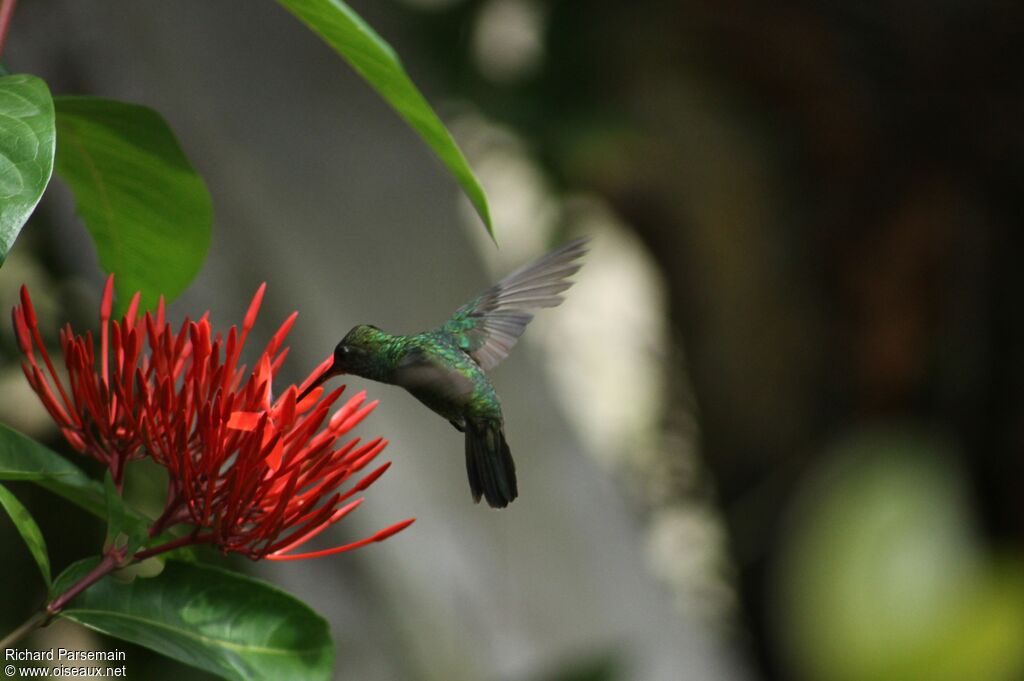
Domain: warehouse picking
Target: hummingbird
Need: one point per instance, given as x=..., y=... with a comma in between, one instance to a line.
x=446, y=368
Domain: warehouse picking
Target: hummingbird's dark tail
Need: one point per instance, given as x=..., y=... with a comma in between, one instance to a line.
x=492, y=473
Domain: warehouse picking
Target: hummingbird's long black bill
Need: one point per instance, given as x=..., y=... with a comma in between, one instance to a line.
x=329, y=372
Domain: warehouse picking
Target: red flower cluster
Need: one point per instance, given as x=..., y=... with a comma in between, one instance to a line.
x=97, y=415
x=254, y=475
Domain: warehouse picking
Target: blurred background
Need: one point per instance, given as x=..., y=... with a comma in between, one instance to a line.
x=775, y=432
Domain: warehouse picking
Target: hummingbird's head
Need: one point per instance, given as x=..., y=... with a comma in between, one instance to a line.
x=355, y=354
x=358, y=350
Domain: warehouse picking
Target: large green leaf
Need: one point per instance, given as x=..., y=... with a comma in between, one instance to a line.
x=142, y=201
x=26, y=152
x=22, y=458
x=234, y=626
x=29, y=531
x=368, y=53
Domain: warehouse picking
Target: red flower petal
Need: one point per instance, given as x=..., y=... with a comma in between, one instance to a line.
x=243, y=420
x=379, y=536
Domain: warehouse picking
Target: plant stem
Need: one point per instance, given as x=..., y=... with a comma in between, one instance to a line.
x=113, y=559
x=173, y=505
x=31, y=624
x=6, y=11
x=188, y=539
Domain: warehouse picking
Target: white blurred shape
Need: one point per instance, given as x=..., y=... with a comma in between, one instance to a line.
x=604, y=352
x=686, y=545
x=508, y=40
x=604, y=347
x=524, y=209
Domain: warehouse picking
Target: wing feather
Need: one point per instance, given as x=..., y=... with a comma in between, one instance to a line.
x=488, y=326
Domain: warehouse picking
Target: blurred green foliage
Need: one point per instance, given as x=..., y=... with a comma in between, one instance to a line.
x=882, y=577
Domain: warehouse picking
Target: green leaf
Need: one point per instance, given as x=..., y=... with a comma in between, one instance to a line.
x=219, y=621
x=125, y=528
x=29, y=531
x=341, y=28
x=145, y=206
x=26, y=152
x=22, y=458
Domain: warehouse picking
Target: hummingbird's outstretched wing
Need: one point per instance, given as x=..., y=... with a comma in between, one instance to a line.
x=489, y=325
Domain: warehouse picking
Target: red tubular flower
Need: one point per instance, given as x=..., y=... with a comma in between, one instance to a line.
x=263, y=482
x=255, y=475
x=97, y=413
